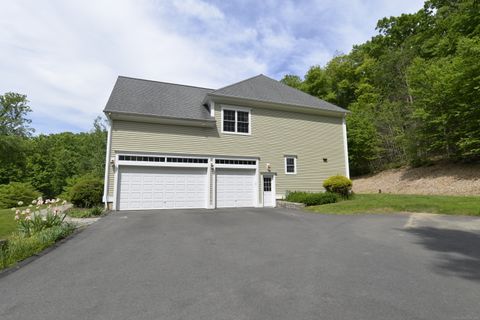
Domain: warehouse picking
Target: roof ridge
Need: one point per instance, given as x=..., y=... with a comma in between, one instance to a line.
x=171, y=83
x=234, y=84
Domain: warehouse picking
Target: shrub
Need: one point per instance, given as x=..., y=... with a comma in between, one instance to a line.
x=84, y=213
x=338, y=184
x=86, y=192
x=18, y=247
x=12, y=193
x=312, y=199
x=315, y=199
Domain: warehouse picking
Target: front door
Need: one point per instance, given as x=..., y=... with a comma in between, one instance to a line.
x=268, y=194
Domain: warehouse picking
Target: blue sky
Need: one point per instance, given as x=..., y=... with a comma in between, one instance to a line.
x=66, y=54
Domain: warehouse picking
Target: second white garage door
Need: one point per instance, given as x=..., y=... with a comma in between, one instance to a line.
x=162, y=188
x=235, y=188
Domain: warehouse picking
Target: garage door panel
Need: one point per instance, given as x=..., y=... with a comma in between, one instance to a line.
x=162, y=188
x=235, y=188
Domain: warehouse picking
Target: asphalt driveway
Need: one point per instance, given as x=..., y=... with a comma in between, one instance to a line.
x=254, y=264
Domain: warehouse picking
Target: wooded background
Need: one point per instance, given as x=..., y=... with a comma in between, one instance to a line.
x=413, y=91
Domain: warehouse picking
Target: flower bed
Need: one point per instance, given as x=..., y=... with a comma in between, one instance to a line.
x=39, y=226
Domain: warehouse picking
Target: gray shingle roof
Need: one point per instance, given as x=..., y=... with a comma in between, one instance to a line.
x=263, y=88
x=145, y=97
x=153, y=98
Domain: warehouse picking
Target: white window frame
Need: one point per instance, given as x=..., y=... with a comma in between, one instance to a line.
x=243, y=109
x=294, y=164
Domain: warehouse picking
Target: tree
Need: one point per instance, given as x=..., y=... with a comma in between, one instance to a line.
x=14, y=109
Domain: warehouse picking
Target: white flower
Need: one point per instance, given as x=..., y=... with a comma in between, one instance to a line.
x=30, y=205
x=23, y=212
x=27, y=211
x=28, y=218
x=17, y=211
x=64, y=202
x=20, y=203
x=37, y=207
x=56, y=211
x=34, y=201
x=47, y=201
x=39, y=202
x=17, y=217
x=58, y=200
x=13, y=209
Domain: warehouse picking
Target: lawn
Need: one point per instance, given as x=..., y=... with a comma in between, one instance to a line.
x=7, y=223
x=386, y=203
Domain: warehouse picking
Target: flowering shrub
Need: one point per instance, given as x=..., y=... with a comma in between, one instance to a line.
x=31, y=220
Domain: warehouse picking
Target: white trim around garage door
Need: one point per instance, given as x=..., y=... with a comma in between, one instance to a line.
x=187, y=161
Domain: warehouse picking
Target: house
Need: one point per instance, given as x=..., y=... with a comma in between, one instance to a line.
x=243, y=145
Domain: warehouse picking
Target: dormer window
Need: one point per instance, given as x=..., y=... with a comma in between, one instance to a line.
x=236, y=120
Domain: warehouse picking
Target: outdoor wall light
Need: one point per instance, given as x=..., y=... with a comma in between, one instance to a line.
x=269, y=167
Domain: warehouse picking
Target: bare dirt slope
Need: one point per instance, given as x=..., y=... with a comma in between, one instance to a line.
x=444, y=179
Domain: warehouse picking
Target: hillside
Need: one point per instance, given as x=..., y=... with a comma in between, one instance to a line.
x=442, y=179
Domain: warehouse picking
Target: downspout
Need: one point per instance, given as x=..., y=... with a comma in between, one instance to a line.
x=107, y=162
x=345, y=145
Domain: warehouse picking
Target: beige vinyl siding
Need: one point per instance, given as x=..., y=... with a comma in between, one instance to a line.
x=273, y=134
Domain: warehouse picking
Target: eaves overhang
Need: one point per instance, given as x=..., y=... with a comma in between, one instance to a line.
x=217, y=98
x=140, y=117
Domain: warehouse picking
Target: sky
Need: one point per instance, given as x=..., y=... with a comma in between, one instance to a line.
x=65, y=55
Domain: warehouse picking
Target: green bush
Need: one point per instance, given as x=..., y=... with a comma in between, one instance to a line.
x=12, y=193
x=338, y=184
x=315, y=199
x=86, y=192
x=18, y=247
x=312, y=199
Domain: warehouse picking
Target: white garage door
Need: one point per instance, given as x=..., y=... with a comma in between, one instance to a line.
x=235, y=188
x=162, y=188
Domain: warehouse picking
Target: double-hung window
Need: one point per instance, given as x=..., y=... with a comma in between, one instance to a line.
x=236, y=121
x=290, y=164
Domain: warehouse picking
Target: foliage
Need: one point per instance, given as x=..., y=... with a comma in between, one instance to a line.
x=47, y=162
x=31, y=220
x=12, y=193
x=84, y=213
x=387, y=203
x=13, y=111
x=18, y=247
x=312, y=199
x=338, y=184
x=413, y=89
x=86, y=192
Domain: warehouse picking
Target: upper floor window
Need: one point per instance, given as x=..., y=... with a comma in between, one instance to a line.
x=290, y=164
x=236, y=120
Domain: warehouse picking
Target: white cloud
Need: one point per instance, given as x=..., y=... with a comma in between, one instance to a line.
x=65, y=55
x=198, y=9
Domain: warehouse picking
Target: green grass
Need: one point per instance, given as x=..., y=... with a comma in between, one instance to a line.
x=84, y=212
x=387, y=203
x=19, y=248
x=7, y=223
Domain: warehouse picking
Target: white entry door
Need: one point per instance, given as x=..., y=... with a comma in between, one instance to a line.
x=268, y=191
x=235, y=188
x=162, y=188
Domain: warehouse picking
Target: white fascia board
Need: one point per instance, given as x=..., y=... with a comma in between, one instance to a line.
x=107, y=162
x=345, y=147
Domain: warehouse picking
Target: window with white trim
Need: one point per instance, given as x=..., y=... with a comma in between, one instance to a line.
x=290, y=165
x=236, y=121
